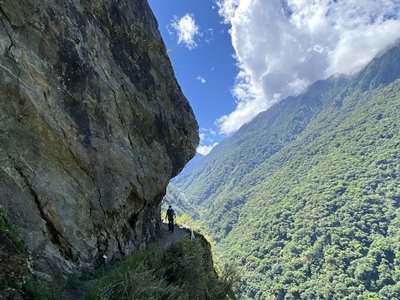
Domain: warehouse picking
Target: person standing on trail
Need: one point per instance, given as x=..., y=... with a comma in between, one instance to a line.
x=170, y=216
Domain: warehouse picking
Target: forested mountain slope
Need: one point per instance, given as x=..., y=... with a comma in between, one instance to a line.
x=179, y=203
x=306, y=197
x=253, y=144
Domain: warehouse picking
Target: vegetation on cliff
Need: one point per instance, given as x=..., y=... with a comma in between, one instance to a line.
x=181, y=272
x=180, y=269
x=13, y=258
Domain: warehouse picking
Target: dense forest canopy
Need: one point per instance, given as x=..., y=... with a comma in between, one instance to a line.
x=305, y=199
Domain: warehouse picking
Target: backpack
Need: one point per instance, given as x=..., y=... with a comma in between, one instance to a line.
x=170, y=213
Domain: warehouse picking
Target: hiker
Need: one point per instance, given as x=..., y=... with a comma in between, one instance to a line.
x=170, y=216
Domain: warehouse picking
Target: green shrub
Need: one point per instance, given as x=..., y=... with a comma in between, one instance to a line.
x=183, y=271
x=36, y=289
x=6, y=229
x=13, y=268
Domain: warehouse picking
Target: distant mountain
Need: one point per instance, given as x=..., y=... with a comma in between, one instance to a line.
x=192, y=164
x=254, y=143
x=179, y=203
x=305, y=198
x=176, y=198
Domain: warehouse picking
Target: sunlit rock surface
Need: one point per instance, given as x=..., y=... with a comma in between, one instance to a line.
x=92, y=127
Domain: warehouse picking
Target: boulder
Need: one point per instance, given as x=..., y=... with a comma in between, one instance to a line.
x=93, y=125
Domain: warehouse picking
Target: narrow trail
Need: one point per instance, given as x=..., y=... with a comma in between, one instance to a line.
x=164, y=242
x=168, y=238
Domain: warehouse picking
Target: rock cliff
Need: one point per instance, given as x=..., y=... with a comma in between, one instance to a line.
x=92, y=127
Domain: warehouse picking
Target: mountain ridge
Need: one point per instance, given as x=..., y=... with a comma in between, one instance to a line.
x=317, y=218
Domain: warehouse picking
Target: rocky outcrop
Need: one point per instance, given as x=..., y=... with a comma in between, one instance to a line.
x=92, y=127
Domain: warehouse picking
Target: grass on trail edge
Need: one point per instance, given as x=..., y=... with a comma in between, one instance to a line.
x=183, y=271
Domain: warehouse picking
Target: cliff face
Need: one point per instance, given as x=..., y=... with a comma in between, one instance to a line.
x=92, y=127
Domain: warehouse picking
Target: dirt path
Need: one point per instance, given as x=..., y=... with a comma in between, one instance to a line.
x=168, y=238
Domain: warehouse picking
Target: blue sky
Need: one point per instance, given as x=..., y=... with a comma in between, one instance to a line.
x=236, y=58
x=205, y=71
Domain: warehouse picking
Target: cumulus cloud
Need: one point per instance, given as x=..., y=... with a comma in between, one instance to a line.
x=282, y=46
x=186, y=29
x=207, y=142
x=201, y=79
x=205, y=149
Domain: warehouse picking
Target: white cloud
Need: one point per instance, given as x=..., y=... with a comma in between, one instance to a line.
x=186, y=30
x=201, y=79
x=282, y=46
x=207, y=142
x=205, y=149
x=355, y=49
x=207, y=135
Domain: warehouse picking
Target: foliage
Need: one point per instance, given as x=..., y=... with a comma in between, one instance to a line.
x=183, y=271
x=180, y=205
x=6, y=229
x=306, y=197
x=13, y=258
x=39, y=289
